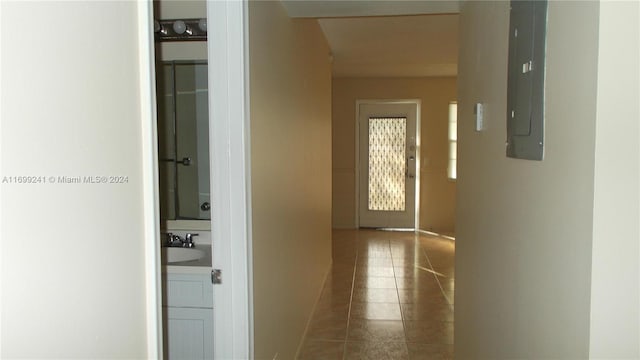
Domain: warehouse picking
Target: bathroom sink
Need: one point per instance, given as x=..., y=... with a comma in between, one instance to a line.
x=177, y=254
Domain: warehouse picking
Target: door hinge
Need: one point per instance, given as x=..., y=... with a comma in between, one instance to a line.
x=216, y=276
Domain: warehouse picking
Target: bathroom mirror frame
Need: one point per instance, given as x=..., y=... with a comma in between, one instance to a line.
x=183, y=140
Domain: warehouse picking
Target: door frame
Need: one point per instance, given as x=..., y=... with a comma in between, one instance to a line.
x=229, y=146
x=150, y=186
x=417, y=103
x=229, y=149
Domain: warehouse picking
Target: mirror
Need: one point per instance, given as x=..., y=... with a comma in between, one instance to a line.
x=183, y=140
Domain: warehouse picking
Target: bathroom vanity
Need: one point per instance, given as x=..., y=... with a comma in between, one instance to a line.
x=188, y=300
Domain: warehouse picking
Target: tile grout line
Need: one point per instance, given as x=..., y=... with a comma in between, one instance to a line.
x=424, y=251
x=353, y=284
x=395, y=279
x=436, y=277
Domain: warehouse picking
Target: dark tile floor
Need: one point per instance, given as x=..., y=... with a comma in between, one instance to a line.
x=389, y=296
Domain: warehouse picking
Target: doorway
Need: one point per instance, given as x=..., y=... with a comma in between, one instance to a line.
x=387, y=158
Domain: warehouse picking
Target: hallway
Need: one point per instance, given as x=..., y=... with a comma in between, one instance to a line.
x=389, y=296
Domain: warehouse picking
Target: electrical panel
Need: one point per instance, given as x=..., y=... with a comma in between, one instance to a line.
x=526, y=73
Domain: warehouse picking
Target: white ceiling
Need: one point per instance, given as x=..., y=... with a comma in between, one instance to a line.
x=397, y=46
x=386, y=38
x=350, y=8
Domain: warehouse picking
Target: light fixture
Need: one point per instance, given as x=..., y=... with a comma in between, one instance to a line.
x=179, y=27
x=202, y=24
x=181, y=30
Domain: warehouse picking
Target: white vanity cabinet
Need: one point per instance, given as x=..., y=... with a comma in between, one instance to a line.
x=188, y=316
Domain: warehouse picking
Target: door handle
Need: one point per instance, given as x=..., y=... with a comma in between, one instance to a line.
x=407, y=173
x=406, y=167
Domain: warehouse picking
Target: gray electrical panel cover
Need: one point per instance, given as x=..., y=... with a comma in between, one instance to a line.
x=525, y=87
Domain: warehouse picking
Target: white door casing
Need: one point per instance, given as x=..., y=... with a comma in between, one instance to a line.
x=151, y=195
x=230, y=178
x=397, y=188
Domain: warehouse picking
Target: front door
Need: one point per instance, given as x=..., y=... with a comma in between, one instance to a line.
x=388, y=163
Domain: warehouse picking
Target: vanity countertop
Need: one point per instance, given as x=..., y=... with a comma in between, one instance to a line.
x=200, y=266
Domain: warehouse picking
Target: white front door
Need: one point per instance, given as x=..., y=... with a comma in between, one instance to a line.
x=387, y=164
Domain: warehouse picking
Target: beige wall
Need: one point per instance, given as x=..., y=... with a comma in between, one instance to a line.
x=73, y=255
x=437, y=193
x=615, y=281
x=524, y=228
x=291, y=174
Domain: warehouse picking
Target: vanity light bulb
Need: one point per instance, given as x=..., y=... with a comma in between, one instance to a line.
x=202, y=24
x=179, y=27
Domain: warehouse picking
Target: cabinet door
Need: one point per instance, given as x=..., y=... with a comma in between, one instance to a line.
x=188, y=333
x=187, y=290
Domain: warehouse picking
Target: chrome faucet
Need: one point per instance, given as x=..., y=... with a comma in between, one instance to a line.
x=174, y=240
x=188, y=241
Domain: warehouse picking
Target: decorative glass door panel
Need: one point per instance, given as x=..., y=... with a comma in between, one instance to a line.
x=387, y=166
